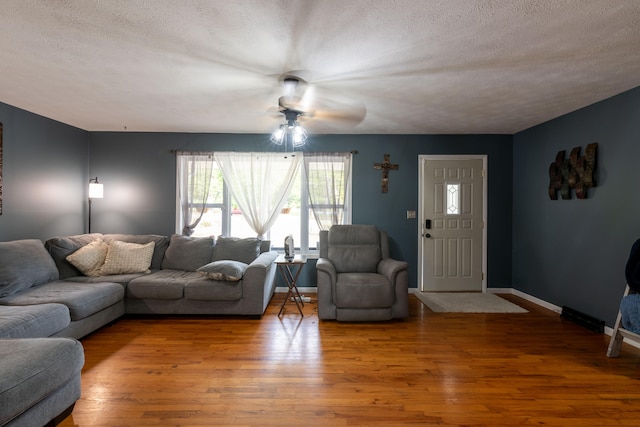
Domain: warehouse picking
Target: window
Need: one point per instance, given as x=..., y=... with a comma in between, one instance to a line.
x=319, y=196
x=453, y=199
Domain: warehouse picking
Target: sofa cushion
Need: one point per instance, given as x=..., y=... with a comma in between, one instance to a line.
x=122, y=279
x=161, y=244
x=33, y=321
x=236, y=249
x=82, y=299
x=163, y=284
x=187, y=253
x=61, y=247
x=125, y=258
x=228, y=270
x=25, y=263
x=90, y=258
x=33, y=369
x=212, y=290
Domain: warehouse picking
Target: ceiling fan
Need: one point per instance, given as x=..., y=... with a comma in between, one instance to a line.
x=301, y=100
x=290, y=105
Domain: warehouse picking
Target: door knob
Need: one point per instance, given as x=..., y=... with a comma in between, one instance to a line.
x=427, y=235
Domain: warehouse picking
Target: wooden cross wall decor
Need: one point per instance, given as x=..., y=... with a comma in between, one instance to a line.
x=385, y=166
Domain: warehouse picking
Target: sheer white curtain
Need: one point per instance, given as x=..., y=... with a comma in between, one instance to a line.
x=260, y=184
x=328, y=177
x=194, y=182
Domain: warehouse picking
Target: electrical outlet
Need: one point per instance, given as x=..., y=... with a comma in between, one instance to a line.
x=411, y=214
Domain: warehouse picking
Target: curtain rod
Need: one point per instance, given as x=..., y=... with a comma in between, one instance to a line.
x=193, y=153
x=208, y=153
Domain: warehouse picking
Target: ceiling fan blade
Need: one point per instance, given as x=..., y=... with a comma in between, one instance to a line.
x=351, y=117
x=317, y=103
x=307, y=100
x=332, y=106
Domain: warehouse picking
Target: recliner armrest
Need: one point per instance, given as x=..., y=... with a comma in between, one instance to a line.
x=325, y=265
x=390, y=268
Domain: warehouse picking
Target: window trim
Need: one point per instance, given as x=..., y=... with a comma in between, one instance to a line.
x=306, y=215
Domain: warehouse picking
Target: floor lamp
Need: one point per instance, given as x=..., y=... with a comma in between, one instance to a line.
x=95, y=192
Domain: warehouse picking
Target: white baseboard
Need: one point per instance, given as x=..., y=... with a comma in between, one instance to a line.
x=527, y=297
x=607, y=330
x=302, y=289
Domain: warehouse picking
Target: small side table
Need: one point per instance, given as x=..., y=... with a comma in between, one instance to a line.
x=291, y=279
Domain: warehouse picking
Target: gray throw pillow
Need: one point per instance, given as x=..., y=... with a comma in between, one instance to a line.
x=236, y=249
x=25, y=263
x=61, y=247
x=187, y=253
x=231, y=271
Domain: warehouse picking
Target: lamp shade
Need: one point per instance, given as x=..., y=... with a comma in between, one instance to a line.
x=96, y=190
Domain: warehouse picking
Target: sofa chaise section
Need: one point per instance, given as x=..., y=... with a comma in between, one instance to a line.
x=90, y=306
x=40, y=380
x=29, y=277
x=35, y=321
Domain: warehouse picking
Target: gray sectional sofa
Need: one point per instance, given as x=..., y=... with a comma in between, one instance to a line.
x=173, y=284
x=56, y=292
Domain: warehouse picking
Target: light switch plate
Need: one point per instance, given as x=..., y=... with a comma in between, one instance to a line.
x=411, y=214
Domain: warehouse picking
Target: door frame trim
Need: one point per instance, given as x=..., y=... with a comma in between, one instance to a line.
x=422, y=158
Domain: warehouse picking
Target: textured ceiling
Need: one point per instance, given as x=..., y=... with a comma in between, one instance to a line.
x=414, y=66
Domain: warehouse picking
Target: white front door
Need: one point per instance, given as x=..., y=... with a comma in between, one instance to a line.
x=452, y=212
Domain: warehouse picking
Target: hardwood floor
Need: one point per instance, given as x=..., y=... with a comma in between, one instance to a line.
x=433, y=369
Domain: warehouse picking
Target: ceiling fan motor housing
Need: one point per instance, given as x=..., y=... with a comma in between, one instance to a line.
x=291, y=116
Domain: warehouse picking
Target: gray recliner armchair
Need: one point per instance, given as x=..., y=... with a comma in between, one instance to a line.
x=357, y=281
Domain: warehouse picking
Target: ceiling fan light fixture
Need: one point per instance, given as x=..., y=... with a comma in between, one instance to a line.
x=299, y=135
x=277, y=137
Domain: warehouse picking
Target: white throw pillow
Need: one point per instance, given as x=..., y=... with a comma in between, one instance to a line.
x=89, y=258
x=125, y=258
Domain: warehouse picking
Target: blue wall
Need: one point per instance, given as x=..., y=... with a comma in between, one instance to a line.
x=573, y=252
x=138, y=172
x=566, y=252
x=45, y=176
